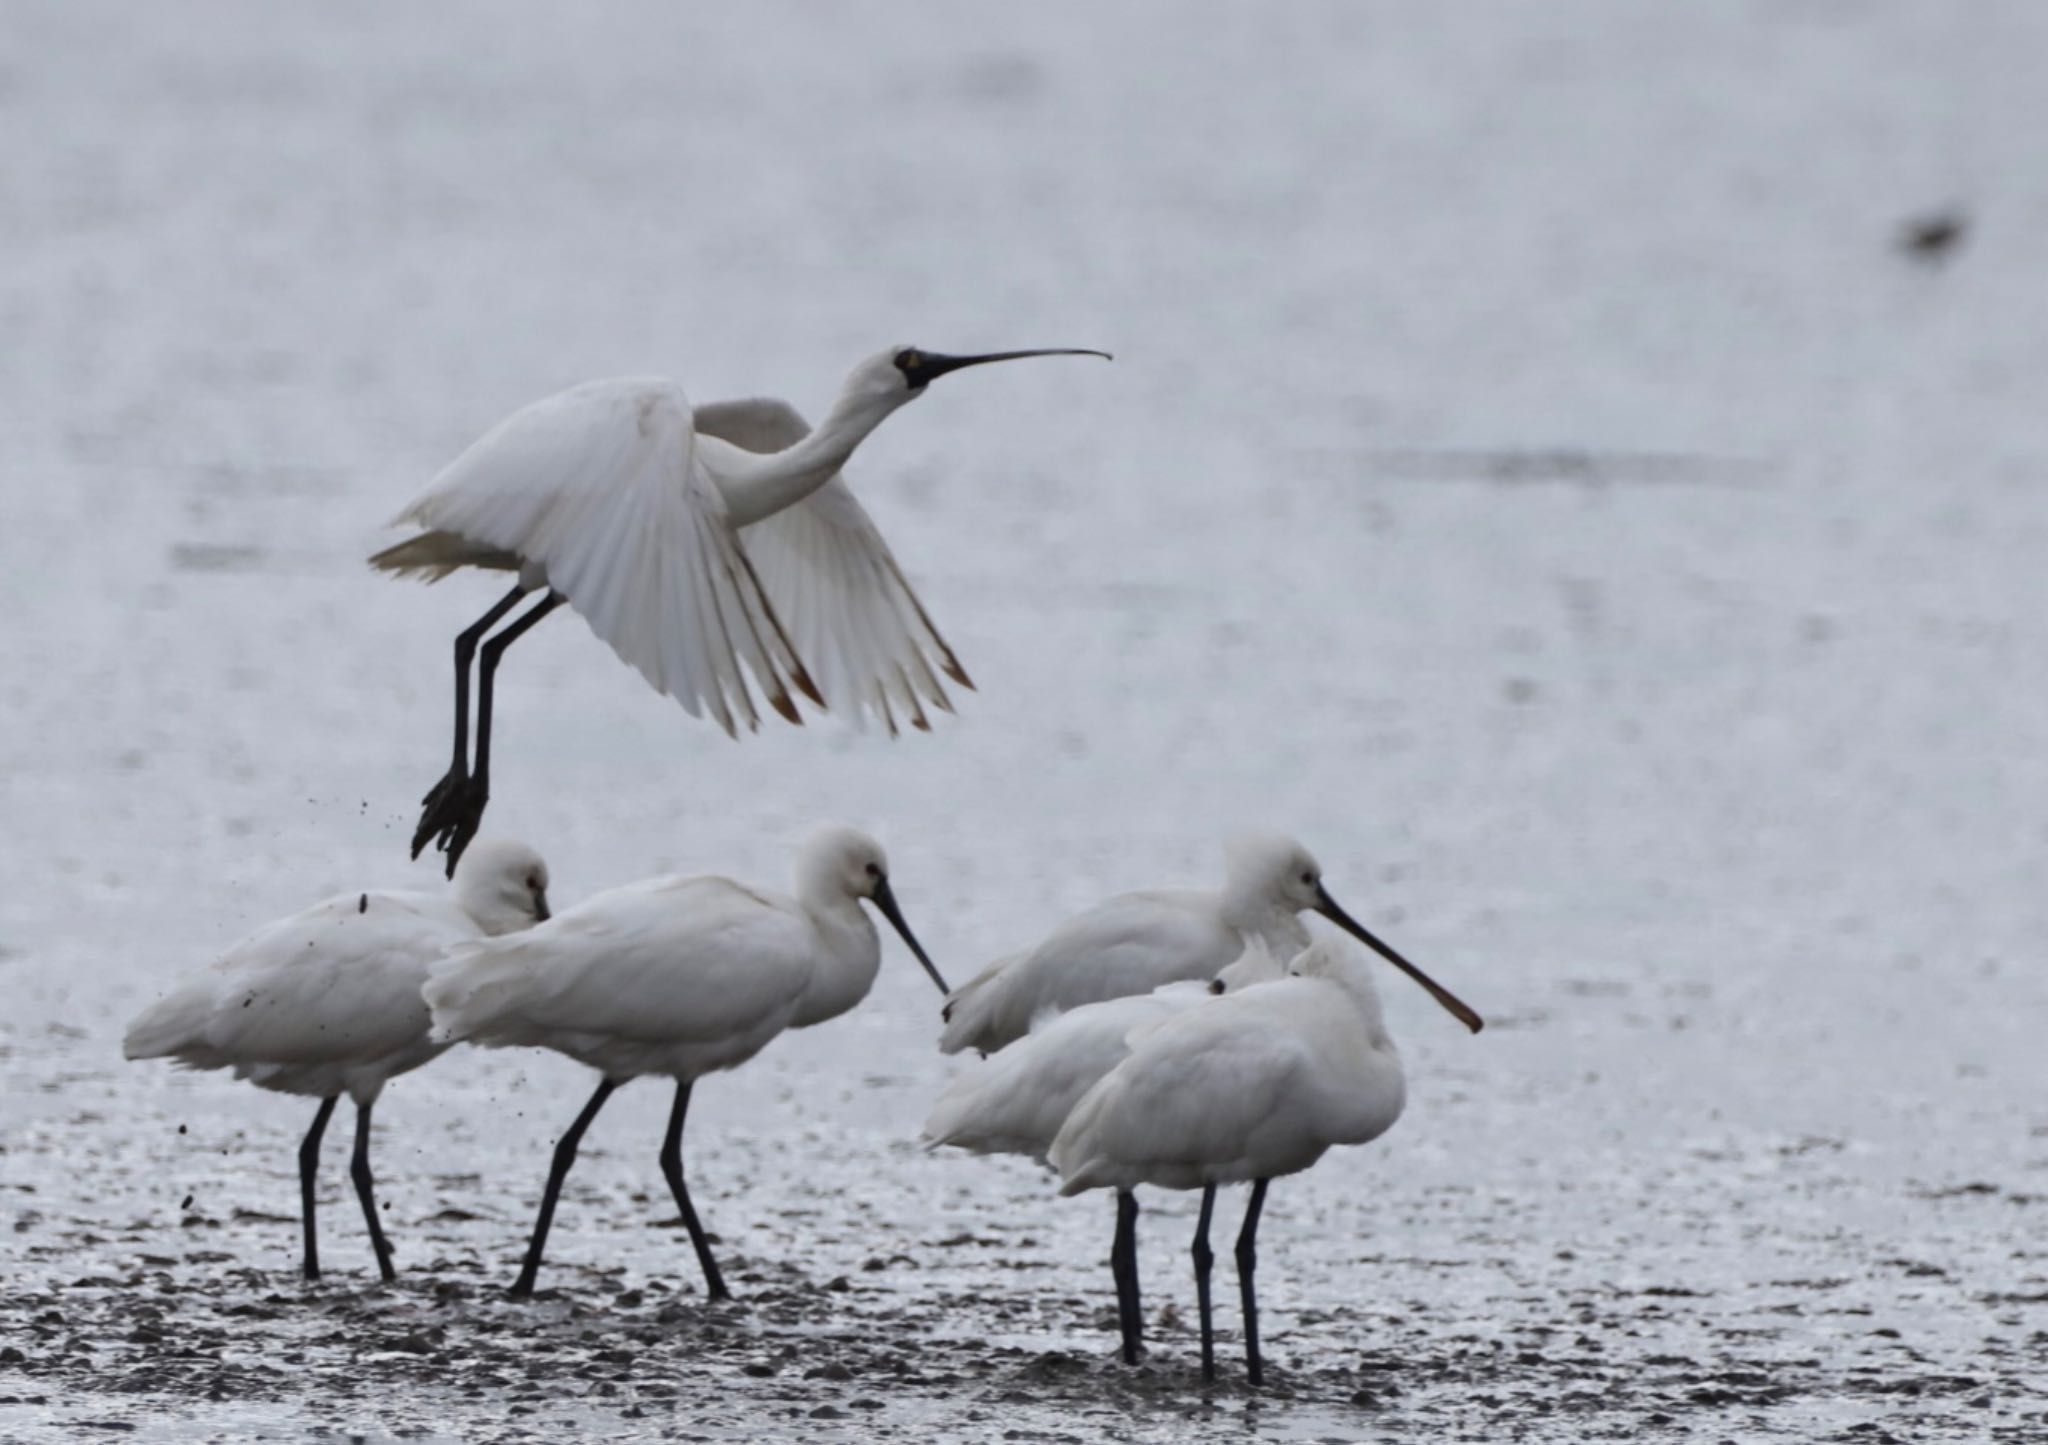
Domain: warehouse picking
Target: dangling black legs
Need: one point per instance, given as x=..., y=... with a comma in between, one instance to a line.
x=309, y=1161
x=486, y=678
x=445, y=796
x=359, y=1171
x=672, y=1170
x=565, y=1155
x=1247, y=1265
x=1204, y=1257
x=465, y=649
x=454, y=808
x=1123, y=1265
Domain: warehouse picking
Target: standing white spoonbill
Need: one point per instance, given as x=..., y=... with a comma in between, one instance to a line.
x=327, y=1002
x=700, y=544
x=1137, y=941
x=1016, y=1101
x=679, y=977
x=1253, y=1086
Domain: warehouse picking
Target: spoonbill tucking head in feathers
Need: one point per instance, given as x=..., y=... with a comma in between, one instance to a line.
x=679, y=977
x=1016, y=1100
x=1137, y=941
x=1250, y=1086
x=701, y=544
x=327, y=1002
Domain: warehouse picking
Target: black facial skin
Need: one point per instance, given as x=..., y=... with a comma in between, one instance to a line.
x=912, y=362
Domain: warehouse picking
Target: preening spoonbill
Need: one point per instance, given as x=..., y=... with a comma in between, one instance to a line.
x=1137, y=941
x=700, y=544
x=675, y=976
x=327, y=1002
x=1251, y=1086
x=1015, y=1101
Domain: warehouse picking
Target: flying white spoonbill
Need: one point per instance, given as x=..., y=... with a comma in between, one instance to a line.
x=700, y=544
x=1016, y=1101
x=1137, y=941
x=1254, y=1085
x=675, y=976
x=327, y=1002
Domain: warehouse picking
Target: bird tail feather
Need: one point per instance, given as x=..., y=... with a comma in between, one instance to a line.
x=430, y=556
x=173, y=1025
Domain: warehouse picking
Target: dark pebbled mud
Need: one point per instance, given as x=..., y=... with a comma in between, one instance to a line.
x=980, y=1308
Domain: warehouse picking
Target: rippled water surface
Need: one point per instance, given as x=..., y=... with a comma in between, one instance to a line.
x=1531, y=471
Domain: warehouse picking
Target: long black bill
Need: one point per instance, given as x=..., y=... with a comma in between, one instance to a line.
x=930, y=363
x=1327, y=906
x=885, y=899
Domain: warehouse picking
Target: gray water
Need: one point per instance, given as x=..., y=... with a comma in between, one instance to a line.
x=1531, y=471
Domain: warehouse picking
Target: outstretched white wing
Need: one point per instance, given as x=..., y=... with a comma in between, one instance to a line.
x=836, y=586
x=600, y=487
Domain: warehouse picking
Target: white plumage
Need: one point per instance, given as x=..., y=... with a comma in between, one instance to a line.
x=836, y=588
x=1253, y=1086
x=678, y=977
x=1015, y=1101
x=1256, y=1085
x=600, y=494
x=703, y=545
x=327, y=1001
x=1135, y=942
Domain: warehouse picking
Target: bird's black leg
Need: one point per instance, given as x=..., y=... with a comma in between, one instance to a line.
x=1123, y=1264
x=1203, y=1258
x=1247, y=1265
x=359, y=1171
x=672, y=1170
x=448, y=793
x=456, y=825
x=565, y=1155
x=309, y=1161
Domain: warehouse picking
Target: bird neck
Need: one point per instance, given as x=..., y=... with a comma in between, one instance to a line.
x=1370, y=1019
x=1359, y=1077
x=849, y=956
x=1256, y=915
x=762, y=484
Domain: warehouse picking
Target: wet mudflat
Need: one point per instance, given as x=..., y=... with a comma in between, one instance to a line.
x=1532, y=473
x=1745, y=1286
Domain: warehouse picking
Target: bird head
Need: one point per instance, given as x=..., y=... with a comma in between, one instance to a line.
x=901, y=373
x=848, y=862
x=1284, y=874
x=503, y=885
x=1274, y=870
